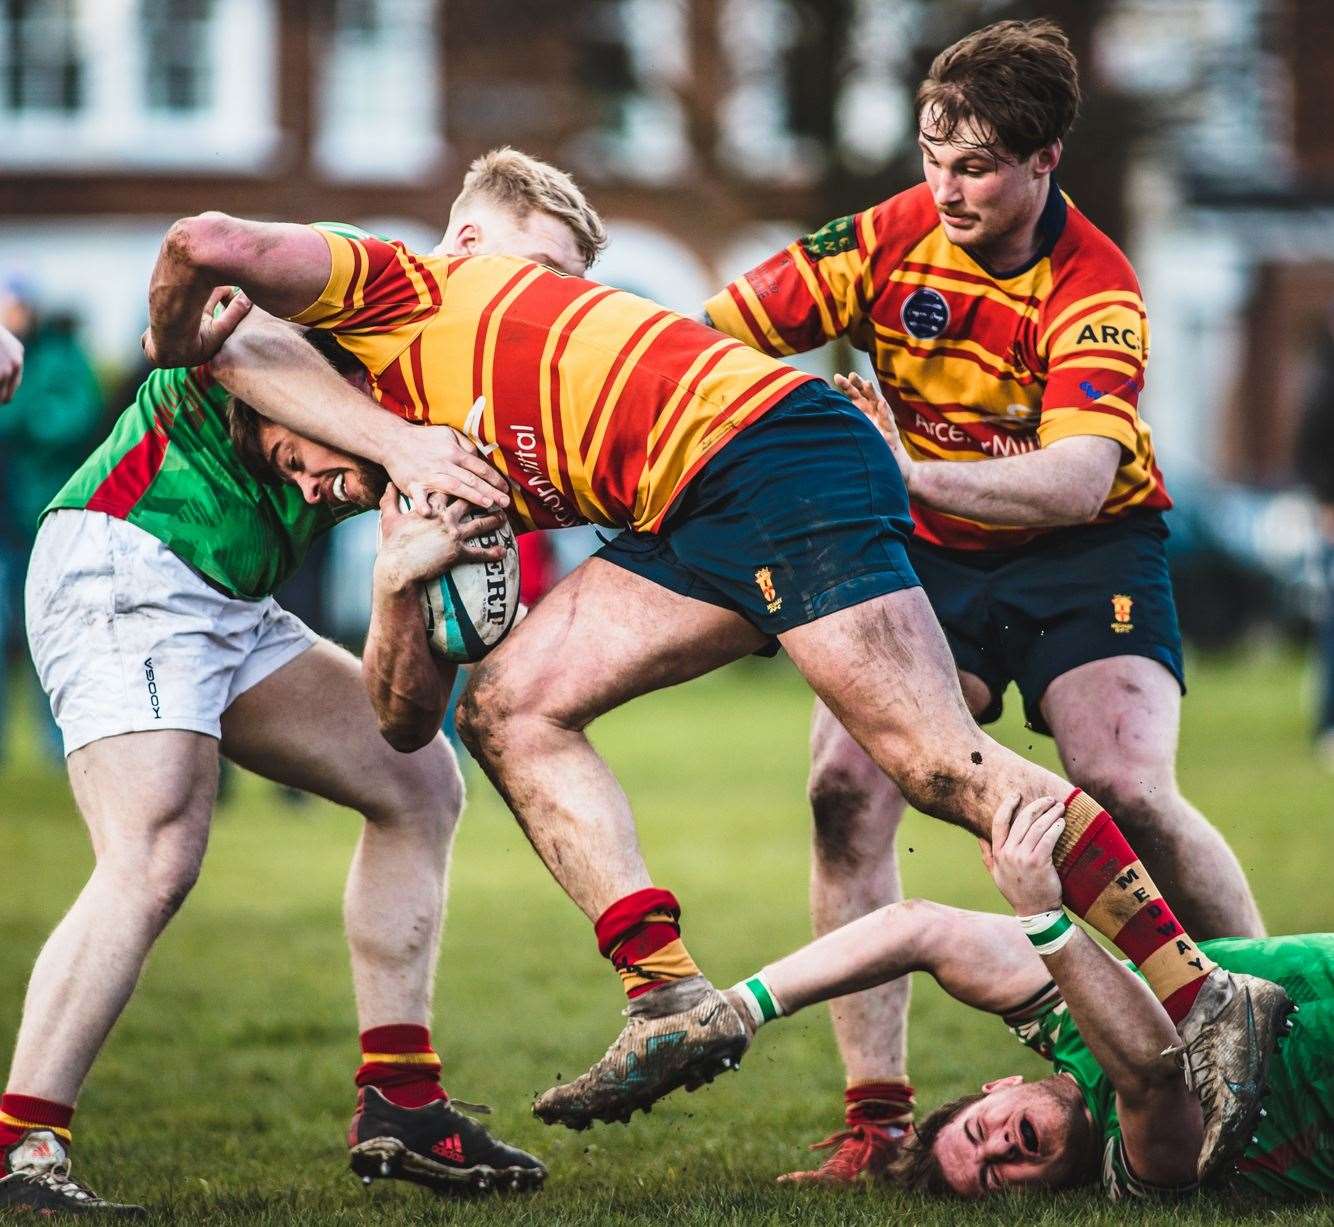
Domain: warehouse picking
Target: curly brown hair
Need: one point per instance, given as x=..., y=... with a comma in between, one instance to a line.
x=1015, y=83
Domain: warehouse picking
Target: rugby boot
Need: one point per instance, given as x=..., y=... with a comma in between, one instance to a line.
x=436, y=1146
x=862, y=1151
x=1227, y=1040
x=36, y=1180
x=682, y=1034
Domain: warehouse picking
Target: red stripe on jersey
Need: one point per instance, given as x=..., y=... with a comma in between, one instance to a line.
x=350, y=293
x=756, y=331
x=134, y=472
x=516, y=373
x=666, y=434
x=919, y=351
x=432, y=286
x=590, y=430
x=958, y=274
x=391, y=392
x=418, y=375
x=557, y=423
x=483, y=321
x=831, y=303
x=779, y=373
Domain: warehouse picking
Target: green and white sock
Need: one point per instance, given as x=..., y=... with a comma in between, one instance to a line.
x=760, y=999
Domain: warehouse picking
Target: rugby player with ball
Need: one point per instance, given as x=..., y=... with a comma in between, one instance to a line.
x=155, y=634
x=756, y=504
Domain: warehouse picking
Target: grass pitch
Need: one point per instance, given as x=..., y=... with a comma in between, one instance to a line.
x=224, y=1091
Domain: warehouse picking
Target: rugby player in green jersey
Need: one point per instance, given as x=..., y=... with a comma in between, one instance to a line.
x=1116, y=1109
x=155, y=634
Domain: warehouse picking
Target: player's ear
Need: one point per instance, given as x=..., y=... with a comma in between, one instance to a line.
x=468, y=239
x=1000, y=1084
x=1047, y=158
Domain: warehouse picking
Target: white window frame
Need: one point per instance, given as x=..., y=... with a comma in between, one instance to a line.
x=116, y=129
x=350, y=147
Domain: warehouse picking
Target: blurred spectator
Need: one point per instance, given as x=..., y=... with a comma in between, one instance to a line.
x=45, y=433
x=1315, y=463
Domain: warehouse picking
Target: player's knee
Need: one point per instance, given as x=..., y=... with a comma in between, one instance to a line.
x=483, y=712
x=499, y=712
x=935, y=785
x=157, y=872
x=855, y=810
x=424, y=789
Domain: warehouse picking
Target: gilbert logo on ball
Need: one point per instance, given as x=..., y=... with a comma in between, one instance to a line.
x=472, y=606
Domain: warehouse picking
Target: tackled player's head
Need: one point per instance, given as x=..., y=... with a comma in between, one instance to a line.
x=513, y=204
x=1014, y=1135
x=991, y=116
x=273, y=454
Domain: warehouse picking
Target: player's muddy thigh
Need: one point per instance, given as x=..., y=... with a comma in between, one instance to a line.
x=885, y=671
x=856, y=810
x=601, y=637
x=1116, y=723
x=310, y=725
x=147, y=799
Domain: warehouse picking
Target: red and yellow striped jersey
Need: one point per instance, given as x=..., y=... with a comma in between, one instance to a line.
x=974, y=364
x=598, y=405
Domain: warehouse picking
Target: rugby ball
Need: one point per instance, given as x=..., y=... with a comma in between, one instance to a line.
x=472, y=606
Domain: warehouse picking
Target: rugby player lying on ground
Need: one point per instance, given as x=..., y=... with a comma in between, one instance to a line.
x=758, y=503
x=1117, y=1106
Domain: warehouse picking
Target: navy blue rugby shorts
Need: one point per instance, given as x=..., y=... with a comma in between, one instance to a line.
x=802, y=514
x=1074, y=596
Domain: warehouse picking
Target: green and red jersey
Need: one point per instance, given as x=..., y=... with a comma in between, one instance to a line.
x=169, y=468
x=1293, y=1154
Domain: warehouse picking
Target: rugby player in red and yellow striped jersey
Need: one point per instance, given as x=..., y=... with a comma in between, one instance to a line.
x=1009, y=342
x=599, y=406
x=755, y=502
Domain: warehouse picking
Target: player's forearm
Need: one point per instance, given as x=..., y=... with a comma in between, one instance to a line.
x=1125, y=1027
x=178, y=291
x=408, y=687
x=1048, y=488
x=980, y=959
x=269, y=366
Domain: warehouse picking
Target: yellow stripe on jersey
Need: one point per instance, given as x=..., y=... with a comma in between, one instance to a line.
x=441, y=333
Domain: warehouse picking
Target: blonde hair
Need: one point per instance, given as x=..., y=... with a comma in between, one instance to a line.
x=522, y=183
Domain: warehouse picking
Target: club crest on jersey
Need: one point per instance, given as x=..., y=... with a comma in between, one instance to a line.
x=925, y=313
x=764, y=577
x=1121, y=607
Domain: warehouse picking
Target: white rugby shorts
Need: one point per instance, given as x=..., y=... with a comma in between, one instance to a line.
x=126, y=638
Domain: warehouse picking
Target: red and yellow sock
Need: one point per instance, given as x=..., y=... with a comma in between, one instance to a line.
x=20, y=1113
x=1105, y=883
x=641, y=935
x=887, y=1102
x=400, y=1063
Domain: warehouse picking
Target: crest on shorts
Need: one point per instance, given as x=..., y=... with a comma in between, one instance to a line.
x=1121, y=607
x=764, y=577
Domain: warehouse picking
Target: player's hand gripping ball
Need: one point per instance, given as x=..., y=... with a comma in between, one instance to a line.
x=472, y=606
